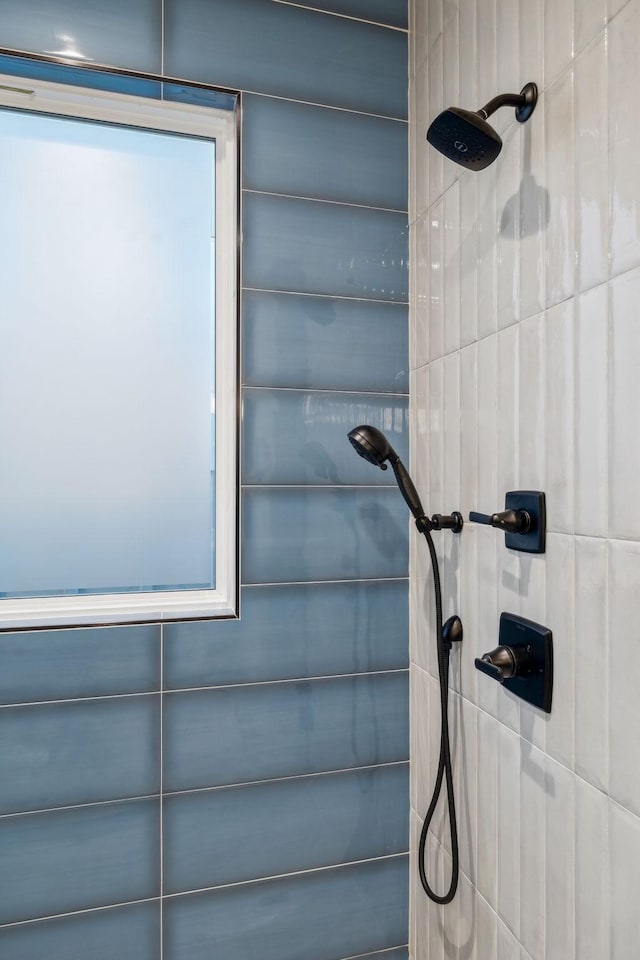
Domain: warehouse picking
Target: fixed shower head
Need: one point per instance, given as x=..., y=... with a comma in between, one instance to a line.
x=466, y=138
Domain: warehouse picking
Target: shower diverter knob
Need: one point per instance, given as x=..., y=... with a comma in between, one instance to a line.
x=523, y=661
x=503, y=663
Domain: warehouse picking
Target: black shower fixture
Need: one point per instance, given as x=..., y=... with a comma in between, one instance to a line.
x=374, y=447
x=466, y=138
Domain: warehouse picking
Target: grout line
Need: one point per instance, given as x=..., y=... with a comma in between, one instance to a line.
x=104, y=696
x=335, y=203
x=215, y=686
x=329, y=390
x=377, y=953
x=291, y=680
x=342, y=16
x=315, y=103
x=576, y=296
x=77, y=913
x=80, y=806
x=348, y=487
x=207, y=789
x=311, y=583
x=542, y=752
x=172, y=896
x=292, y=777
x=325, y=296
x=283, y=876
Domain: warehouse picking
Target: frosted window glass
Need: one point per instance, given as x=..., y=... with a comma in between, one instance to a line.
x=106, y=363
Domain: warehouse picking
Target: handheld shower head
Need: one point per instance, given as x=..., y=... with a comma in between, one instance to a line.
x=373, y=446
x=466, y=138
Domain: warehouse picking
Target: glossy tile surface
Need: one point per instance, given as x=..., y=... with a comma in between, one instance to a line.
x=307, y=151
x=327, y=248
x=335, y=534
x=81, y=752
x=120, y=933
x=548, y=241
x=291, y=632
x=341, y=913
x=65, y=664
x=380, y=11
x=265, y=731
x=77, y=76
x=123, y=33
x=324, y=343
x=81, y=858
x=290, y=436
x=282, y=50
x=69, y=860
x=241, y=833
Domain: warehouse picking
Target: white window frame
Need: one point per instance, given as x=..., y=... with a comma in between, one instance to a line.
x=209, y=123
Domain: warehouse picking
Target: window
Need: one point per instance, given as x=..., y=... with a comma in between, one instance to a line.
x=118, y=325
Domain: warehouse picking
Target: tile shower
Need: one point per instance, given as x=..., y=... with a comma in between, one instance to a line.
x=243, y=786
x=525, y=346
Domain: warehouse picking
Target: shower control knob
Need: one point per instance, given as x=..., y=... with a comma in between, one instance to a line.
x=523, y=520
x=511, y=521
x=503, y=663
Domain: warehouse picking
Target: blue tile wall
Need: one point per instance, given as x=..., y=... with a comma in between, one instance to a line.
x=65, y=860
x=275, y=745
x=64, y=664
x=292, y=632
x=224, y=836
x=119, y=933
x=80, y=752
x=329, y=248
x=307, y=151
x=121, y=33
x=334, y=913
x=300, y=437
x=267, y=731
x=287, y=51
x=380, y=11
x=292, y=534
x=324, y=343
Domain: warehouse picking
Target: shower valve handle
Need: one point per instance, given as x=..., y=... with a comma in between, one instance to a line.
x=511, y=521
x=505, y=662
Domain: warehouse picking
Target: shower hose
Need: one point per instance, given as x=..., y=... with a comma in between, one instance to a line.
x=444, y=763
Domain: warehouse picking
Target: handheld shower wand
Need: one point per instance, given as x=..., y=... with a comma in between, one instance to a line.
x=374, y=447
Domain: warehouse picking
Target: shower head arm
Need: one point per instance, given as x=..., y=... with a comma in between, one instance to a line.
x=524, y=102
x=502, y=100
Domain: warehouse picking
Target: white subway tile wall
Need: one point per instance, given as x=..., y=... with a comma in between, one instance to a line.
x=531, y=304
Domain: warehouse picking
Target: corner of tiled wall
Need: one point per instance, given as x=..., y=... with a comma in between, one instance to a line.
x=524, y=287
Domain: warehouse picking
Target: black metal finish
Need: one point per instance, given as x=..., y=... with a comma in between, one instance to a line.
x=371, y=444
x=524, y=102
x=533, y=503
x=453, y=521
x=523, y=520
x=524, y=660
x=530, y=94
x=465, y=137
